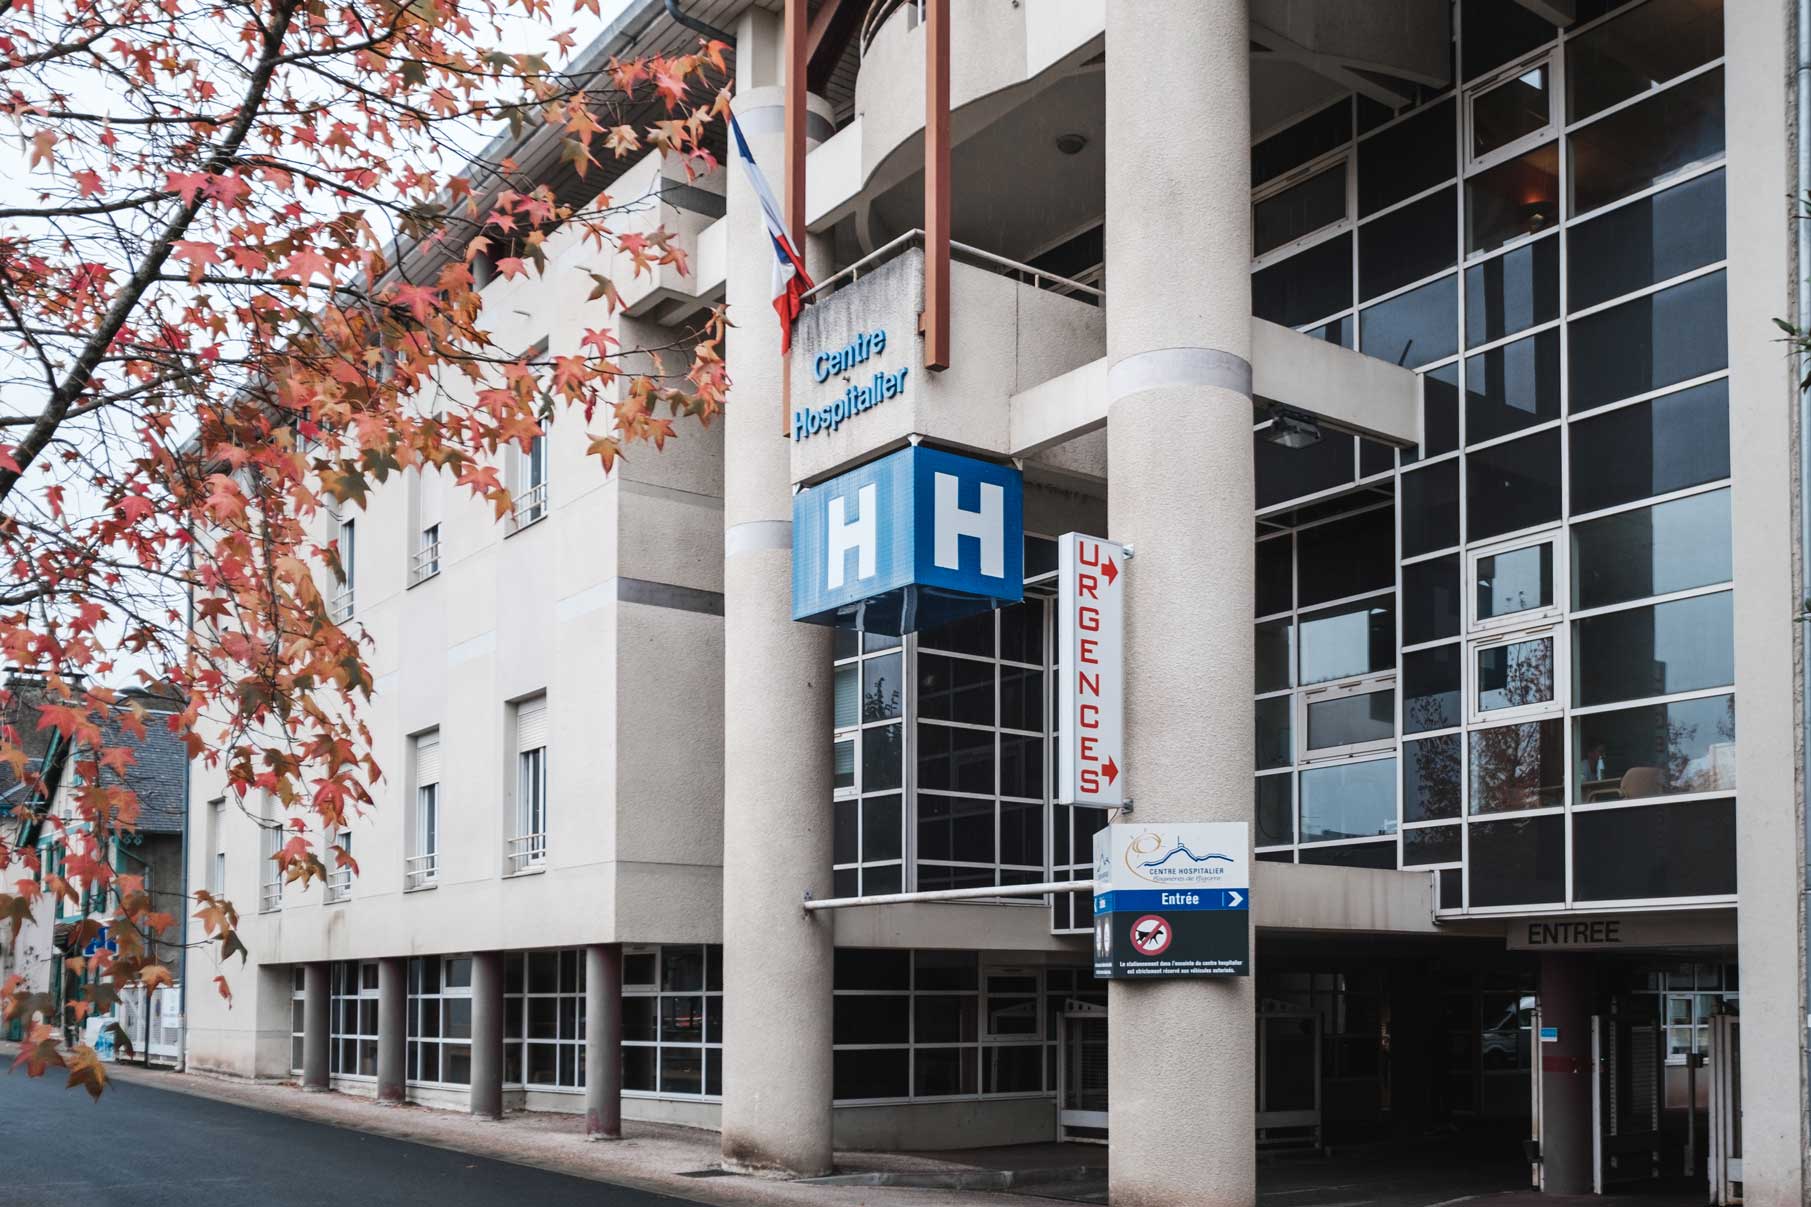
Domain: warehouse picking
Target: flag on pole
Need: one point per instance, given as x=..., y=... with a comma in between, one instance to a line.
x=790, y=280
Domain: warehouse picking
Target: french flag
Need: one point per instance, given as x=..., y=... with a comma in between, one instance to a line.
x=790, y=280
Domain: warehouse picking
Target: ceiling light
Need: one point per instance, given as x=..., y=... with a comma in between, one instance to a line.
x=1291, y=429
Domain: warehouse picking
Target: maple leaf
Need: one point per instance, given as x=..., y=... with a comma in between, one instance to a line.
x=199, y=255
x=304, y=265
x=39, y=1051
x=511, y=266
x=226, y=990
x=88, y=183
x=85, y=1070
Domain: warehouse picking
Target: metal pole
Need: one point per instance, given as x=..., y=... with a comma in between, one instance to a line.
x=936, y=320
x=954, y=894
x=1802, y=182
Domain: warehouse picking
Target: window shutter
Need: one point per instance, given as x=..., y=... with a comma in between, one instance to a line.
x=430, y=487
x=427, y=759
x=531, y=724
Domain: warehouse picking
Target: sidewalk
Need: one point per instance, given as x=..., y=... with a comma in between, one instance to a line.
x=662, y=1158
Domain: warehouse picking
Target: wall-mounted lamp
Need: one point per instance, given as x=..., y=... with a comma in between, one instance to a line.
x=1291, y=429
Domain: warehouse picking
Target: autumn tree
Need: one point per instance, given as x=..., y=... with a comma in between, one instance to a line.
x=241, y=258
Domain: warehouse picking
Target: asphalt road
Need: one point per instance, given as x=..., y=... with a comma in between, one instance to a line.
x=154, y=1148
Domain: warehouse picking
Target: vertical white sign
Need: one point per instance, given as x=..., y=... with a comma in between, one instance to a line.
x=1091, y=646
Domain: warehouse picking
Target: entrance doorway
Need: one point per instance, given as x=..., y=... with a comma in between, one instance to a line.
x=1628, y=1052
x=1082, y=1073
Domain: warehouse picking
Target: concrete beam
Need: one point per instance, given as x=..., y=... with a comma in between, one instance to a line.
x=1287, y=896
x=1343, y=388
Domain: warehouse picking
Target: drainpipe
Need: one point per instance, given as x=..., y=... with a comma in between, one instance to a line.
x=704, y=27
x=1802, y=318
x=182, y=956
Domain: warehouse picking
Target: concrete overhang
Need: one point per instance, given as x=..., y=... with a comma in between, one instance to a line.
x=1342, y=388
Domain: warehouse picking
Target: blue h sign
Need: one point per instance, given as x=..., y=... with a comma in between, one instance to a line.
x=910, y=541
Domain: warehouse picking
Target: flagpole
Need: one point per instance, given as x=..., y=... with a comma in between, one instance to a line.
x=796, y=110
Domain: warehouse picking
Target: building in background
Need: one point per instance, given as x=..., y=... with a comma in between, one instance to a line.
x=1519, y=494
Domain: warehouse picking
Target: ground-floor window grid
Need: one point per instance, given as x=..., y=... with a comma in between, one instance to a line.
x=440, y=1021
x=673, y=1021
x=915, y=1025
x=544, y=1019
x=354, y=1019
x=298, y=1016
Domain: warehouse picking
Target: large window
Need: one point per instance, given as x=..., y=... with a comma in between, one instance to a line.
x=673, y=1021
x=544, y=1019
x=421, y=867
x=354, y=1019
x=440, y=1020
x=527, y=849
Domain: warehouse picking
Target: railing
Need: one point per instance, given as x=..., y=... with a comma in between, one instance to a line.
x=420, y=871
x=339, y=884
x=270, y=897
x=529, y=506
x=424, y=563
x=527, y=853
x=1037, y=278
x=340, y=609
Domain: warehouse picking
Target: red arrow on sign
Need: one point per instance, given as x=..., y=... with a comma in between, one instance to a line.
x=1111, y=769
x=1112, y=571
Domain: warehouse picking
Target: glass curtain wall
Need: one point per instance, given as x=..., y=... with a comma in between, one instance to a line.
x=1548, y=716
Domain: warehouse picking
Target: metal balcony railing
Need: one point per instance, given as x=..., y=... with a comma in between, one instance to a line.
x=270, y=897
x=530, y=505
x=527, y=853
x=424, y=563
x=962, y=253
x=339, y=884
x=420, y=871
x=339, y=610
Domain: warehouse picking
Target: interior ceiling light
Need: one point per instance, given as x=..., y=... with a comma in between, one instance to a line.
x=1071, y=143
x=1291, y=429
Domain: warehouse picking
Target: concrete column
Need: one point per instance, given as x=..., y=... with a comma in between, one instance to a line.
x=1763, y=401
x=392, y=1027
x=777, y=704
x=317, y=1024
x=1182, y=1075
x=1568, y=999
x=487, y=1034
x=604, y=1041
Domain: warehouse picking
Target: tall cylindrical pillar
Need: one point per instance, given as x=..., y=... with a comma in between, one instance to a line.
x=392, y=1027
x=604, y=1041
x=777, y=702
x=317, y=1028
x=1181, y=1052
x=487, y=1034
x=1568, y=996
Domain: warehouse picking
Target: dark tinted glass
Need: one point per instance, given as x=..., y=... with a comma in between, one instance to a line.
x=1431, y=844
x=1430, y=689
x=970, y=635
x=872, y=1019
x=1430, y=600
x=1650, y=342
x=1430, y=508
x=1022, y=632
x=1514, y=291
x=1679, y=646
x=1407, y=244
x=1275, y=811
x=1415, y=328
x=1512, y=387
x=1687, y=849
x=1650, y=240
x=1515, y=767
x=1339, y=331
x=1348, y=800
x=1519, y=861
x=844, y=835
x=1497, y=31
x=955, y=828
x=881, y=829
x=880, y=688
x=881, y=757
x=1276, y=576
x=865, y=1072
x=1289, y=473
x=1646, y=46
x=1274, y=641
x=1021, y=698
x=1375, y=458
x=1512, y=486
x=1638, y=146
x=1021, y=765
x=1357, y=855
x=1651, y=448
x=1350, y=720
x=1439, y=412
x=1517, y=197
x=1307, y=139
x=1408, y=158
x=1348, y=640
x=1432, y=771
x=1274, y=749
x=1452, y=888
x=955, y=689
x=1511, y=109
x=1346, y=557
x=1307, y=286
x=1301, y=209
x=1654, y=550
x=1656, y=750
x=955, y=760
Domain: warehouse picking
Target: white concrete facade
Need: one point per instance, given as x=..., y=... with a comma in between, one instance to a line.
x=694, y=799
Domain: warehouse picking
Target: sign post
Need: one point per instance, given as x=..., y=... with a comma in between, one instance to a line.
x=1172, y=901
x=1091, y=703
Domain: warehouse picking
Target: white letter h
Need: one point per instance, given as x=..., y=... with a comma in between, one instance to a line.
x=859, y=534
x=987, y=525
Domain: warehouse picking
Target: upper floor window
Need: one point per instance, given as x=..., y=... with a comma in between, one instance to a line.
x=528, y=845
x=270, y=876
x=528, y=484
x=339, y=872
x=425, y=509
x=422, y=866
x=216, y=870
x=345, y=592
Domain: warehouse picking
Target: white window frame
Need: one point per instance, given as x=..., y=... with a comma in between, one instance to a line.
x=216, y=869
x=1325, y=692
x=421, y=867
x=345, y=592
x=529, y=502
x=270, y=877
x=424, y=563
x=528, y=847
x=1555, y=631
x=1547, y=60
x=339, y=877
x=1344, y=158
x=1528, y=617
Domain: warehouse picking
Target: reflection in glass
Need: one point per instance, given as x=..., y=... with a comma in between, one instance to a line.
x=1513, y=485
x=1518, y=861
x=1513, y=109
x=1513, y=292
x=1517, y=197
x=1682, y=645
x=1439, y=413
x=1275, y=811
x=1647, y=142
x=1515, y=675
x=1516, y=581
x=1678, y=849
x=1274, y=638
x=1656, y=550
x=1642, y=49
x=1413, y=328
x=1647, y=241
x=1654, y=341
x=1430, y=599
x=882, y=756
x=1350, y=720
x=1515, y=767
x=1651, y=448
x=1430, y=689
x=1307, y=139
x=1430, y=508
x=880, y=688
x=1512, y=387
x=1353, y=855
x=1656, y=750
x=1431, y=771
x=1348, y=800
x=1348, y=640
x=1432, y=844
x=881, y=828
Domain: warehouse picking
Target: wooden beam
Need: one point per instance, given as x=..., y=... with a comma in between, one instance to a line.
x=797, y=110
x=831, y=28
x=935, y=322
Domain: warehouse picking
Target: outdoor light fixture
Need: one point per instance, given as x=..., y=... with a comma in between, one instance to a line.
x=1291, y=429
x=1072, y=143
